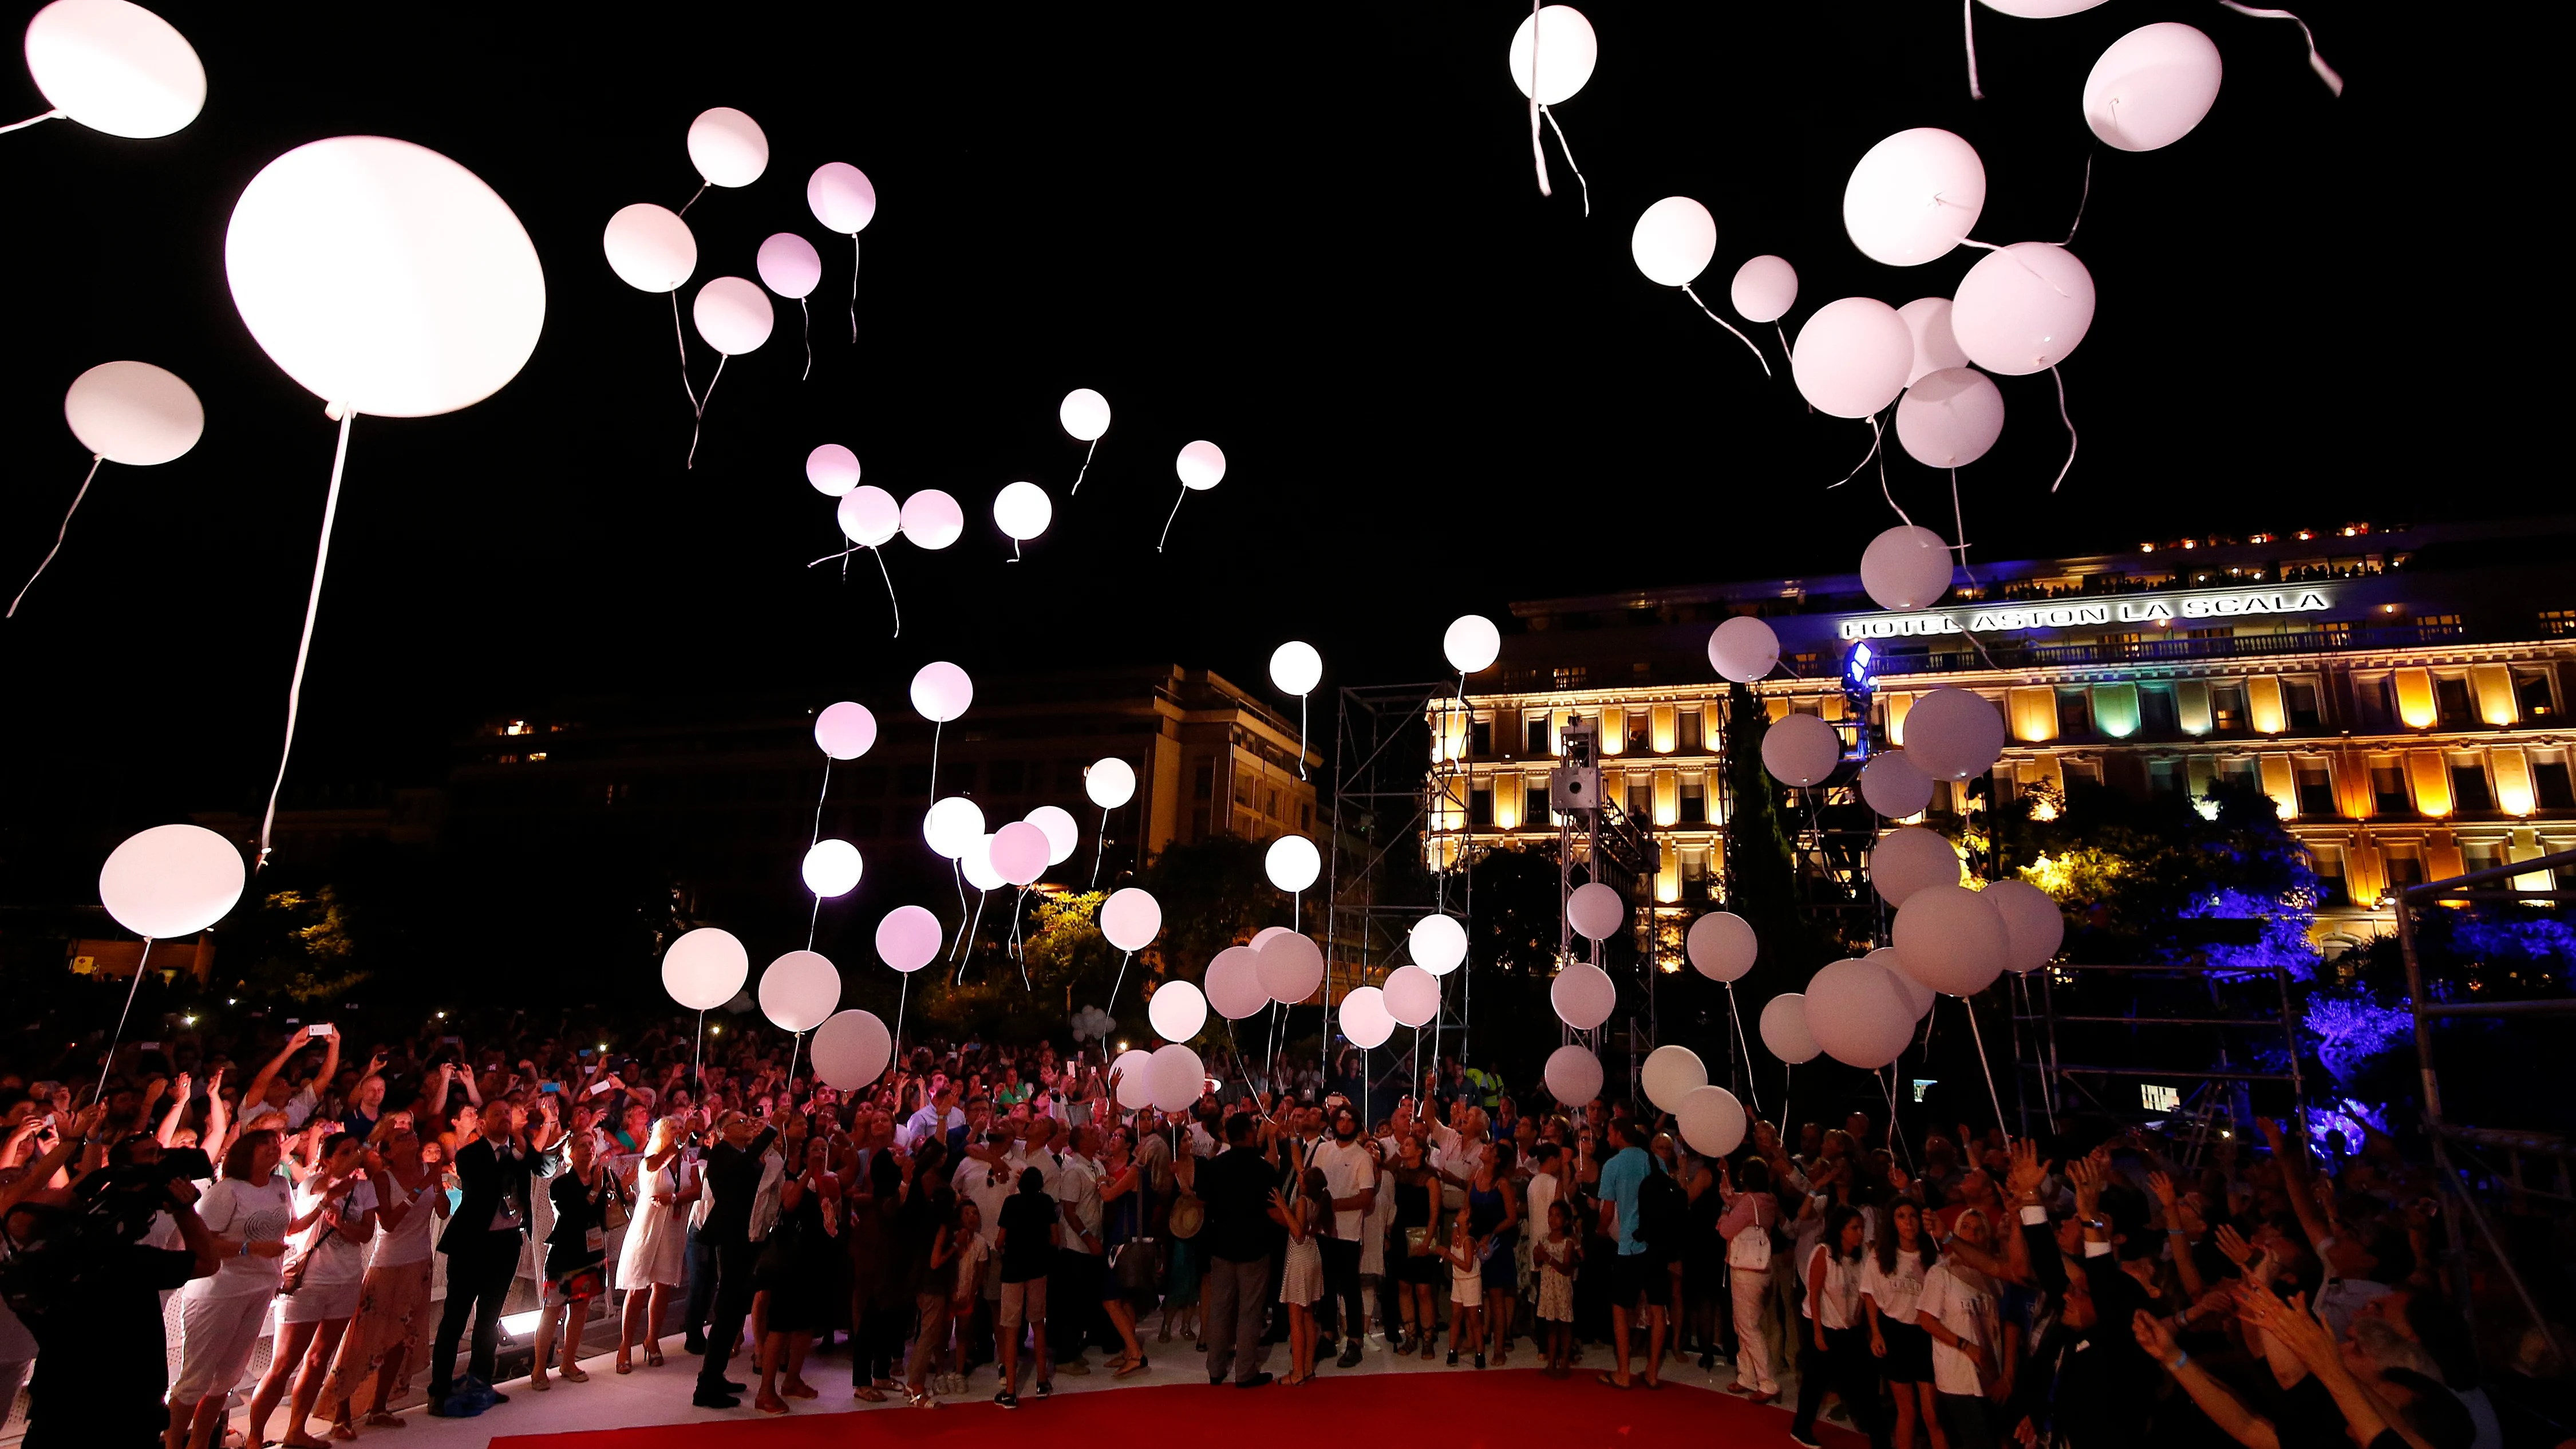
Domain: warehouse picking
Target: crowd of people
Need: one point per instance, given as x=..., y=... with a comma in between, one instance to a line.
x=992, y=1209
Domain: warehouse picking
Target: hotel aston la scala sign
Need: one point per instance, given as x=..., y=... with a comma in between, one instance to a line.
x=2079, y=613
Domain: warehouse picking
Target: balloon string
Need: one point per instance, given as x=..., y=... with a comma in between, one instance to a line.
x=109, y=1061
x=1016, y=949
x=935, y=727
x=1864, y=459
x=1101, y=836
x=818, y=804
x=1015, y=550
x=1121, y=981
x=1883, y=490
x=799, y=1045
x=721, y=360
x=1991, y=1094
x=1560, y=144
x=1968, y=23
x=60, y=534
x=1743, y=1046
x=2316, y=62
x=2070, y=427
x=854, y=286
x=2086, y=197
x=809, y=337
x=1086, y=467
x=683, y=339
x=1167, y=523
x=815, y=924
x=1729, y=326
x=1959, y=524
x=304, y=645
x=890, y=598
x=31, y=120
x=1301, y=742
x=1782, y=333
x=903, y=996
x=693, y=199
x=959, y=955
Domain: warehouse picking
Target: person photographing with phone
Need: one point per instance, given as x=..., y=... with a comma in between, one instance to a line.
x=496, y=1159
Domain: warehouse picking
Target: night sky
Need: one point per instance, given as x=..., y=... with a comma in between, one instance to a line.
x=1310, y=234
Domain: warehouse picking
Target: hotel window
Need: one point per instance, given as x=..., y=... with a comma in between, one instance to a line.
x=1687, y=727
x=2239, y=770
x=2075, y=714
x=2550, y=785
x=2300, y=698
x=1480, y=738
x=1534, y=802
x=2531, y=694
x=2374, y=696
x=2453, y=705
x=1534, y=734
x=1638, y=736
x=1201, y=788
x=2469, y=790
x=2478, y=855
x=2316, y=788
x=2156, y=717
x=2388, y=789
x=2327, y=861
x=2404, y=865
x=1480, y=807
x=2227, y=708
x=1694, y=799
x=1641, y=794
x=2164, y=779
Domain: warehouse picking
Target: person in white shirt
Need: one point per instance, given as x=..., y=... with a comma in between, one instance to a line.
x=1350, y=1176
x=1890, y=1284
x=936, y=1119
x=1074, y=1283
x=338, y=1205
x=220, y=1318
x=1958, y=1309
x=1835, y=1352
x=388, y=1339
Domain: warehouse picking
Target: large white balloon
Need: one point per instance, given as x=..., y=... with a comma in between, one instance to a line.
x=977, y=865
x=1201, y=466
x=171, y=881
x=1743, y=649
x=1084, y=414
x=1948, y=419
x=733, y=315
x=115, y=67
x=383, y=277
x=1234, y=989
x=846, y=730
x=932, y=519
x=1801, y=749
x=799, y=991
x=1907, y=859
x=1928, y=319
x=1917, y=995
x=1180, y=1078
x=1472, y=643
x=1022, y=511
x=833, y=470
x=2152, y=86
x=941, y=691
x=1364, y=1017
x=1672, y=1073
x=1020, y=852
x=1858, y=1014
x=2033, y=924
x=2022, y=309
x=850, y=1050
x=1131, y=919
x=1291, y=967
x=1292, y=863
x=841, y=197
x=1595, y=911
x=952, y=826
x=909, y=938
x=134, y=413
x=832, y=868
x=1412, y=995
x=1954, y=734
x=2039, y=9
x=1721, y=946
x=1893, y=787
x=1573, y=1075
x=1764, y=289
x=1851, y=358
x=1062, y=834
x=1583, y=995
x=1784, y=1028
x=705, y=968
x=728, y=147
x=1135, y=1073
x=1914, y=196
x=650, y=247
x=789, y=265
x=1110, y=782
x=1553, y=53
x=1906, y=567
x=1177, y=1011
x=1673, y=242
x=1296, y=668
x=1439, y=944
x=1951, y=939
x=868, y=516
x=1711, y=1121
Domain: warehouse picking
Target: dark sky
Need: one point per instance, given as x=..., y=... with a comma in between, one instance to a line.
x=1308, y=233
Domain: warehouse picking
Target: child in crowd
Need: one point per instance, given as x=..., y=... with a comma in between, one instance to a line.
x=1556, y=1258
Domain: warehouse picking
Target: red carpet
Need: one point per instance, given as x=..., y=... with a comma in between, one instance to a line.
x=1498, y=1409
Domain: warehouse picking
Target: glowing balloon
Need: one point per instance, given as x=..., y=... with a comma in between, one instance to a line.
x=1917, y=995
x=733, y=315
x=1439, y=944
x=941, y=691
x=2023, y=309
x=1928, y=319
x=1670, y=1074
x=115, y=67
x=1858, y=1014
x=1850, y=358
x=171, y=881
x=1553, y=53
x=383, y=277
x=1906, y=568
x=134, y=413
x=1951, y=939
x=1583, y=995
x=1764, y=289
x=1784, y=1028
x=1135, y=1073
x=1948, y=419
x=1907, y=859
x=1472, y=643
x=832, y=868
x=846, y=730
x=1179, y=1078
x=932, y=519
x=978, y=868
x=1022, y=511
x=1721, y=946
x=1292, y=863
x=1412, y=995
x=1061, y=832
x=850, y=1050
x=1296, y=668
x=1711, y=1121
x=1914, y=196
x=953, y=825
x=799, y=991
x=1801, y=749
x=1263, y=936
x=1893, y=787
x=2152, y=86
x=2033, y=924
x=1595, y=911
x=833, y=470
x=841, y=197
x=868, y=516
x=1234, y=989
x=909, y=938
x=789, y=265
x=1020, y=852
x=1131, y=919
x=727, y=147
x=705, y=968
x=2040, y=9
x=1110, y=782
x=650, y=248
x=1573, y=1076
x=1177, y=1011
x=1743, y=649
x=1673, y=242
x=1084, y=414
x=1953, y=734
x=1201, y=466
x=1364, y=1018
x=1291, y=968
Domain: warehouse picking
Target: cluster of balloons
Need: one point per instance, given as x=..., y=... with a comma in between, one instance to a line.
x=1674, y=242
x=1093, y=1024
x=2167, y=81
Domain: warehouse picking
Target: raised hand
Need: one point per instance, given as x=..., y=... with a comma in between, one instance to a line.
x=2027, y=1172
x=2153, y=1336
x=2162, y=1186
x=2233, y=1244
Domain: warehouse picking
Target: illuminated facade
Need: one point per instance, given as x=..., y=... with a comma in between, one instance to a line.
x=2401, y=695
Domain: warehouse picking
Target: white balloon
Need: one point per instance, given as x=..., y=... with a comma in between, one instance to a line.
x=977, y=865
x=1914, y=196
x=1743, y=649
x=1784, y=1028
x=1020, y=852
x=1721, y=946
x=832, y=868
x=1201, y=466
x=841, y=197
x=1674, y=241
x=953, y=825
x=1364, y=1017
x=833, y=470
x=1022, y=511
x=115, y=67
x=1292, y=863
x=1906, y=567
x=2152, y=86
x=1764, y=289
x=1177, y=1010
x=1296, y=668
x=1711, y=1121
x=941, y=691
x=1858, y=1014
x=1439, y=944
x=1131, y=919
x=134, y=413
x=733, y=315
x=705, y=968
x=799, y=991
x=1907, y=859
x=2040, y=9
x=1954, y=734
x=1472, y=643
x=1595, y=911
x=1801, y=749
x=383, y=277
x=1948, y=419
x=1234, y=989
x=2023, y=309
x=868, y=516
x=1180, y=1078
x=1084, y=414
x=1062, y=834
x=1583, y=995
x=1110, y=782
x=1291, y=968
x=1573, y=1075
x=789, y=265
x=1553, y=53
x=1951, y=939
x=1412, y=996
x=850, y=1050
x=1672, y=1073
x=650, y=247
x=909, y=938
x=846, y=730
x=1917, y=995
x=1135, y=1071
x=171, y=881
x=1893, y=787
x=932, y=519
x=1851, y=358
x=2033, y=924
x=727, y=147
x=1928, y=319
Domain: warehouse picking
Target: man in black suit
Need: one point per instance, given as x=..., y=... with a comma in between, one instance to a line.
x=733, y=1178
x=485, y=1234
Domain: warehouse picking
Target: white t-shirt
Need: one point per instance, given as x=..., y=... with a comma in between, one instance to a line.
x=252, y=1212
x=1540, y=1191
x=330, y=1257
x=1964, y=1302
x=927, y=1123
x=1839, y=1304
x=1897, y=1293
x=411, y=1241
x=1077, y=1186
x=1348, y=1172
x=987, y=1187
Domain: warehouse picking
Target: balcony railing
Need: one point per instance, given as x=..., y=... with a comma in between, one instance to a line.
x=2009, y=654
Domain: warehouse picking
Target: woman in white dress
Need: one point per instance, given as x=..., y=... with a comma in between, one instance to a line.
x=220, y=1317
x=654, y=1262
x=390, y=1339
x=313, y=1318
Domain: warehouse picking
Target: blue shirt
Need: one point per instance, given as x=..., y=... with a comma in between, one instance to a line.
x=1621, y=1176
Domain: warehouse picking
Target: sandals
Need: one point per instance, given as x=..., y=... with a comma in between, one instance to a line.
x=1139, y=1366
x=384, y=1419
x=625, y=1367
x=652, y=1356
x=869, y=1393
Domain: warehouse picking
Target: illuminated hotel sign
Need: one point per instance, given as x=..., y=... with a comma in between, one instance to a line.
x=2082, y=613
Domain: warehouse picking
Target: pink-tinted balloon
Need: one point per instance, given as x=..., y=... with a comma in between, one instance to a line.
x=789, y=265
x=2023, y=309
x=733, y=315
x=832, y=469
x=1928, y=318
x=846, y=730
x=841, y=197
x=909, y=938
x=1851, y=358
x=1948, y=419
x=1020, y=852
x=1764, y=289
x=1412, y=995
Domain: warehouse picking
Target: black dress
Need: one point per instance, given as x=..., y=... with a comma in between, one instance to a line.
x=1413, y=1204
x=795, y=1269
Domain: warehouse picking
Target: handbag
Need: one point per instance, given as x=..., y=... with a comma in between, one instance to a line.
x=292, y=1277
x=612, y=1215
x=1417, y=1242
x=1133, y=1263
